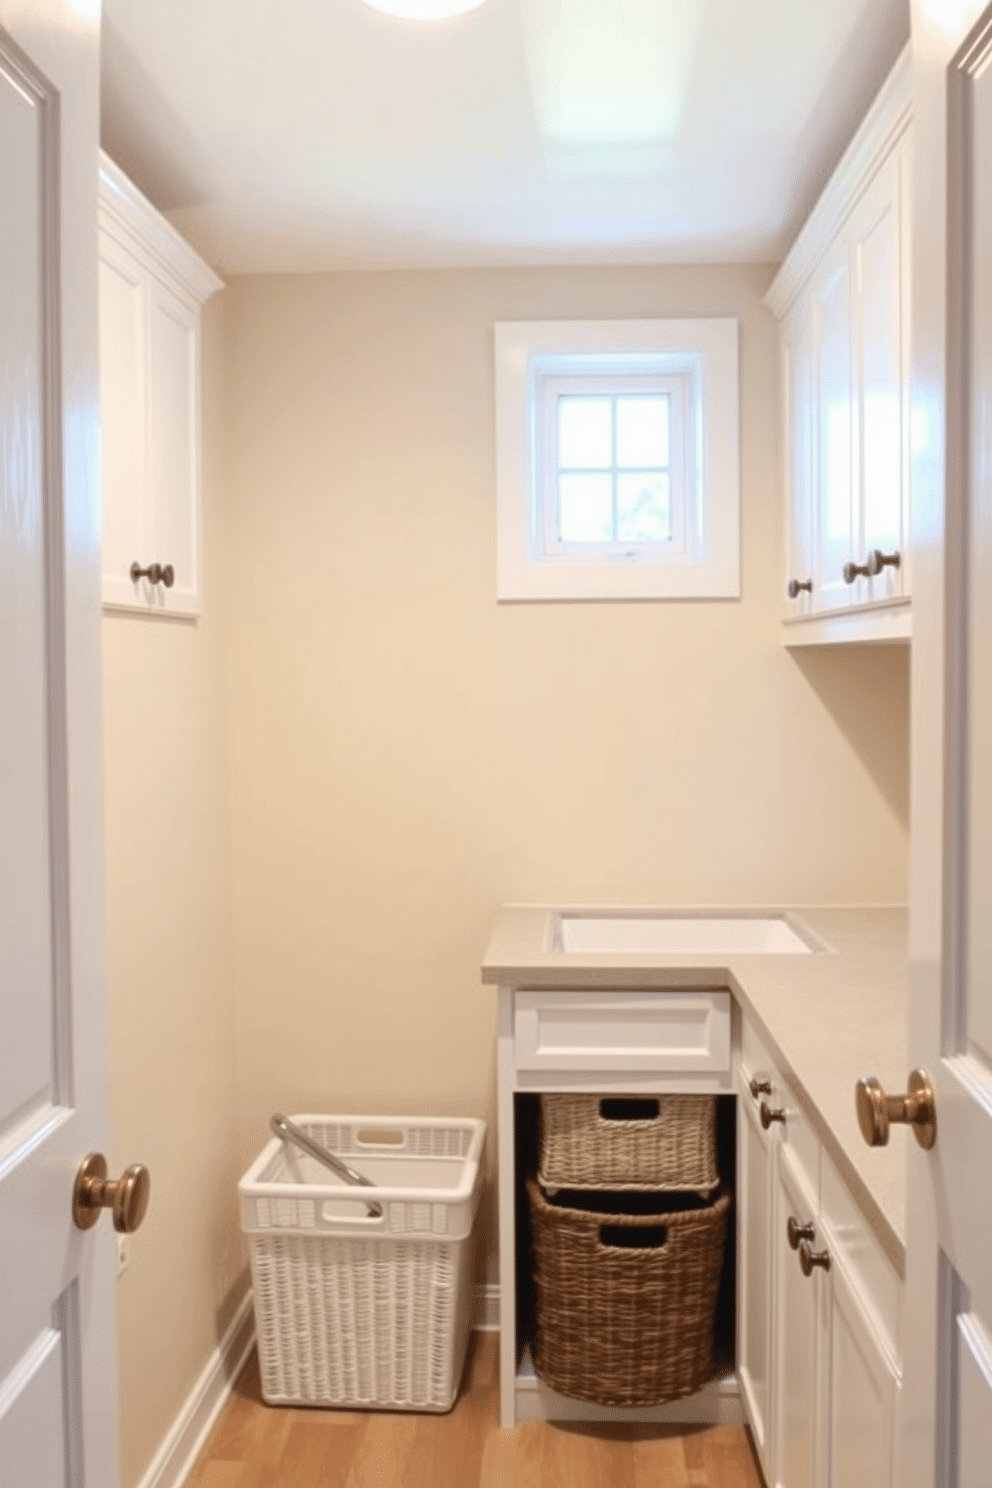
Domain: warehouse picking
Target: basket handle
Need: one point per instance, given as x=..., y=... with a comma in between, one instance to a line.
x=630, y=1108
x=369, y=1218
x=634, y=1237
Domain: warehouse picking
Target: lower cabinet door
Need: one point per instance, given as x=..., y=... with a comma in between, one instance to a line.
x=754, y=1328
x=864, y=1385
x=797, y=1354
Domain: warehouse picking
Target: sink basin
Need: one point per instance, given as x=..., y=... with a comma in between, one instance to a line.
x=667, y=935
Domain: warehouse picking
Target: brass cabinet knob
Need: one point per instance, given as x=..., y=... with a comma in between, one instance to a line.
x=155, y=573
x=856, y=570
x=808, y=1258
x=877, y=1111
x=795, y=1232
x=795, y=587
x=877, y=560
x=759, y=1085
x=126, y=1196
x=768, y=1115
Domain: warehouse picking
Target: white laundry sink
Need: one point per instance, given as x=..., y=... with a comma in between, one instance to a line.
x=672, y=935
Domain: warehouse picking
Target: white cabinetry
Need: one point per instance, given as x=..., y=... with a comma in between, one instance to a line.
x=152, y=285
x=827, y=1418
x=842, y=300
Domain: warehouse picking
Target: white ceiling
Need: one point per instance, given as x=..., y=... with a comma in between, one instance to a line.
x=321, y=134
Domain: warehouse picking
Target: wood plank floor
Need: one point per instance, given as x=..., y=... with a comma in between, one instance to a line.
x=258, y=1446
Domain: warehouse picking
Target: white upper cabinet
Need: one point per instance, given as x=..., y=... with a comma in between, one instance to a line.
x=842, y=300
x=152, y=286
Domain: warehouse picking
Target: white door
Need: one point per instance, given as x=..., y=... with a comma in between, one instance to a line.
x=946, y=1434
x=58, y=1411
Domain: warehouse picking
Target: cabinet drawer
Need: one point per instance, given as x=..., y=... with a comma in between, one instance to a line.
x=671, y=1032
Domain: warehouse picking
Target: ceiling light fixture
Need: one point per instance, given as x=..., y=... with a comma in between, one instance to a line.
x=424, y=10
x=610, y=74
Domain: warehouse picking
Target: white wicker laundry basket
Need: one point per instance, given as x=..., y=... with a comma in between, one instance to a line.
x=353, y=1309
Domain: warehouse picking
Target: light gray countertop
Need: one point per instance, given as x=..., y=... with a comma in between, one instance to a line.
x=827, y=1018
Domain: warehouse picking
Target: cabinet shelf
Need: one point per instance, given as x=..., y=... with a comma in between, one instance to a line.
x=718, y=1403
x=882, y=624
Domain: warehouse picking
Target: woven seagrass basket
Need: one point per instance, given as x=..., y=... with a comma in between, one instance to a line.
x=625, y=1303
x=655, y=1143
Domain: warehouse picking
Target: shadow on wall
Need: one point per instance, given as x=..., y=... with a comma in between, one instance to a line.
x=865, y=689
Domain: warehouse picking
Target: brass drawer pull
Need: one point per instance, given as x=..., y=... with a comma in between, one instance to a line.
x=768, y=1115
x=796, y=1232
x=808, y=1258
x=155, y=573
x=796, y=587
x=759, y=1085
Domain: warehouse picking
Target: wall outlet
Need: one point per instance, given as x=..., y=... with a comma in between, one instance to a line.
x=123, y=1252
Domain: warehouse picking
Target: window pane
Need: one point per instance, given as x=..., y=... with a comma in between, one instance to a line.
x=642, y=432
x=644, y=508
x=585, y=434
x=585, y=508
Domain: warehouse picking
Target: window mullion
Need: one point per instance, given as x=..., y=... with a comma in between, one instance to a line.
x=615, y=530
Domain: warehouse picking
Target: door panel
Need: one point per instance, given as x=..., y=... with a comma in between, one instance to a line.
x=876, y=239
x=173, y=446
x=863, y=1388
x=835, y=510
x=796, y=1449
x=800, y=442
x=123, y=364
x=58, y=1421
x=754, y=1270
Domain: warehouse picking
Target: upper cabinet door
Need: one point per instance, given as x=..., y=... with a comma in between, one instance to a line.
x=797, y=351
x=842, y=301
x=880, y=409
x=152, y=286
x=123, y=396
x=835, y=511
x=174, y=446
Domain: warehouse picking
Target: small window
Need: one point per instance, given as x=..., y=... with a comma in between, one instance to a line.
x=611, y=482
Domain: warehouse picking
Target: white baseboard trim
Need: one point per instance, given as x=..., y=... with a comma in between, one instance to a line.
x=186, y=1438
x=485, y=1317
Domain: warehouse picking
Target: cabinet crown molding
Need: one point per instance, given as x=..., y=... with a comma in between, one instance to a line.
x=886, y=121
x=123, y=208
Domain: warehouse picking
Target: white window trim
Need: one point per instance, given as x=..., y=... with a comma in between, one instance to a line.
x=708, y=566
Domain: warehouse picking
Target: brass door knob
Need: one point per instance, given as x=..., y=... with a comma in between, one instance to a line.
x=759, y=1085
x=795, y=1232
x=808, y=1258
x=126, y=1196
x=877, y=1111
x=768, y=1115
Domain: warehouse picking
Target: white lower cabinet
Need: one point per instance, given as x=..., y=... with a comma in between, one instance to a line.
x=818, y=1308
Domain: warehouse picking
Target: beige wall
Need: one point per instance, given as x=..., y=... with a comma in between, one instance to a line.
x=405, y=754
x=170, y=998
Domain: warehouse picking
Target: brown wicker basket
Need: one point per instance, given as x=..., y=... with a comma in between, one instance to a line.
x=625, y=1304
x=655, y=1143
